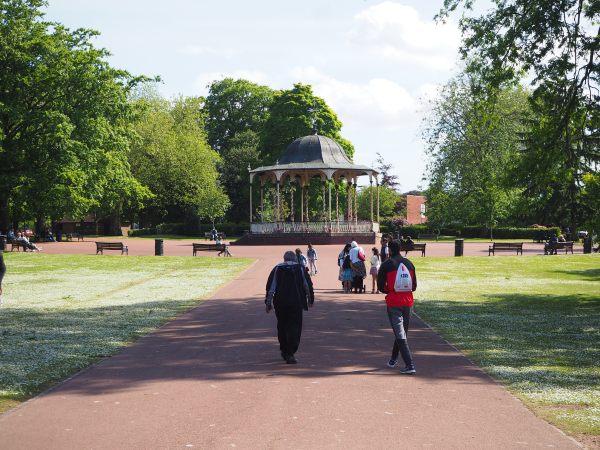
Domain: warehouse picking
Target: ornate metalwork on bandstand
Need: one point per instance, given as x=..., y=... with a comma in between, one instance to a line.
x=309, y=157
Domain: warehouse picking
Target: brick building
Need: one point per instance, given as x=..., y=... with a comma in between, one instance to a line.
x=416, y=209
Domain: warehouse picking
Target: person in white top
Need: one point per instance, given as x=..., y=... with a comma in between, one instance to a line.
x=375, y=263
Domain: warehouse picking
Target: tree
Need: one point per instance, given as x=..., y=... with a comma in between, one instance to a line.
x=389, y=199
x=63, y=117
x=473, y=144
x=557, y=44
x=388, y=179
x=173, y=158
x=242, y=153
x=232, y=107
x=296, y=113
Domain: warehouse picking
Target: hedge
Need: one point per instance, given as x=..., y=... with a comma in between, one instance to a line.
x=473, y=231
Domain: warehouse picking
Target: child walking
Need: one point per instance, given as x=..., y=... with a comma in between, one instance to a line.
x=375, y=263
x=347, y=274
x=311, y=254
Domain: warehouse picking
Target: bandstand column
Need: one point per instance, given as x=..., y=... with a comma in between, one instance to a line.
x=306, y=205
x=329, y=205
x=337, y=205
x=292, y=201
x=250, y=200
x=371, y=190
x=262, y=202
x=349, y=195
x=323, y=194
x=355, y=202
x=278, y=204
x=302, y=202
x=377, y=181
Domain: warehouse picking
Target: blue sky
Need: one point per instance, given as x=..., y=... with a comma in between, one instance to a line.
x=374, y=62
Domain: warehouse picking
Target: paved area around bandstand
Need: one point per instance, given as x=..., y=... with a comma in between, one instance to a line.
x=213, y=378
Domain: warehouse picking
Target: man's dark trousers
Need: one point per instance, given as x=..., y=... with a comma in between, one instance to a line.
x=289, y=328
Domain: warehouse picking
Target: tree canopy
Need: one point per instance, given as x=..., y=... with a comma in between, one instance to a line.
x=555, y=44
x=295, y=113
x=64, y=119
x=172, y=157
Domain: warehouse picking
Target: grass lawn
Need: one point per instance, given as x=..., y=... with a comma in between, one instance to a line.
x=533, y=323
x=62, y=313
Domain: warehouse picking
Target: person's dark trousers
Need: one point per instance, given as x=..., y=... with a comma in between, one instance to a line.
x=399, y=319
x=289, y=329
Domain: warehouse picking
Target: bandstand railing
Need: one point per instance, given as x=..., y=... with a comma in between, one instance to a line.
x=314, y=227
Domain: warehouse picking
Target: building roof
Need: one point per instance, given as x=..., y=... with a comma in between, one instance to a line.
x=315, y=153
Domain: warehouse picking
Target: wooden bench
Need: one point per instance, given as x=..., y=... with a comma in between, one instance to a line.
x=208, y=234
x=221, y=248
x=566, y=246
x=70, y=236
x=18, y=245
x=415, y=248
x=101, y=246
x=506, y=247
x=429, y=236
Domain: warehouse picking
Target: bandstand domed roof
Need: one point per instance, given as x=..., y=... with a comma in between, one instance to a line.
x=315, y=149
x=315, y=153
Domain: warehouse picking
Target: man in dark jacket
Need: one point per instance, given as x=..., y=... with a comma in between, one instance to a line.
x=399, y=304
x=289, y=290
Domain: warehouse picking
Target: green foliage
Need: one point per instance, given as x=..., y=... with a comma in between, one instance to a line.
x=232, y=107
x=556, y=44
x=591, y=200
x=473, y=143
x=65, y=128
x=296, y=113
x=389, y=201
x=174, y=160
x=242, y=153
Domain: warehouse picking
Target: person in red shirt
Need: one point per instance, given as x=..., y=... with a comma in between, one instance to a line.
x=399, y=305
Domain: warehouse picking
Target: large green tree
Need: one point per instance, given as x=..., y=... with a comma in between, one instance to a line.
x=296, y=113
x=234, y=106
x=473, y=144
x=556, y=44
x=64, y=119
x=172, y=157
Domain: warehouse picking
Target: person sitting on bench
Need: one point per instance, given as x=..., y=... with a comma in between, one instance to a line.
x=22, y=239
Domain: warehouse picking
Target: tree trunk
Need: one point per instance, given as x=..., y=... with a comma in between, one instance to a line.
x=4, y=216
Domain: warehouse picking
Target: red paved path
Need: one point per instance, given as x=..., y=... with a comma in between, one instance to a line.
x=213, y=378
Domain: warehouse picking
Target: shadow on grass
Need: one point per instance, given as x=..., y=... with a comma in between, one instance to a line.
x=593, y=274
x=549, y=340
x=232, y=339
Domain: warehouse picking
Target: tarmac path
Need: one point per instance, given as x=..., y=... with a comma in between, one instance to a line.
x=213, y=378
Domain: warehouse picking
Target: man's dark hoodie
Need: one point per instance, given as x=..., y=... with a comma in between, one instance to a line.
x=291, y=286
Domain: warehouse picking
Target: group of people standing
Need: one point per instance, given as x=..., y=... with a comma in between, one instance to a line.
x=289, y=290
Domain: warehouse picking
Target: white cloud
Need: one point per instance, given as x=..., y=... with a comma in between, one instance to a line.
x=204, y=79
x=397, y=32
x=378, y=103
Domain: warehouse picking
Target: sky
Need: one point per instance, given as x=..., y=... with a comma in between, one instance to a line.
x=376, y=63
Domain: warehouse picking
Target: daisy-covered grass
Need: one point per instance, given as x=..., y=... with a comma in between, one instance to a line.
x=532, y=323
x=61, y=313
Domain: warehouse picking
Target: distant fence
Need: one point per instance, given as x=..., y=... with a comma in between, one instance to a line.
x=314, y=227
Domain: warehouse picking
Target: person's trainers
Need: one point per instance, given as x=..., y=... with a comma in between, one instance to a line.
x=291, y=360
x=408, y=370
x=392, y=363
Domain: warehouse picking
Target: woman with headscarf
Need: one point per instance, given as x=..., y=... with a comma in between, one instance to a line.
x=341, y=257
x=359, y=270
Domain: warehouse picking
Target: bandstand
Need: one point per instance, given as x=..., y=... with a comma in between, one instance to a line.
x=306, y=158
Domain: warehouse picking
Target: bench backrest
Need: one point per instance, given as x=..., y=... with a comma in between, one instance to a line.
x=508, y=245
x=109, y=245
